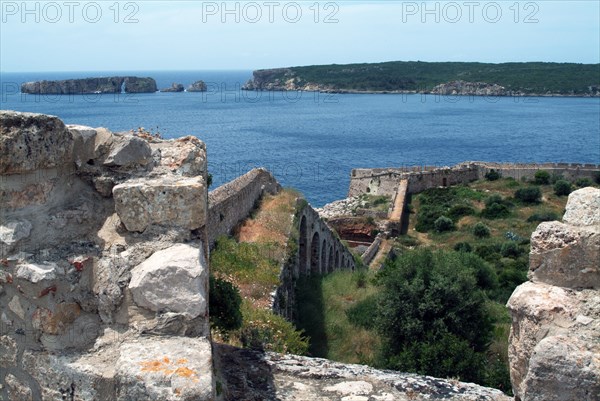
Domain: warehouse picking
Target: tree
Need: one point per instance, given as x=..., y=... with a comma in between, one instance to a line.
x=443, y=223
x=431, y=314
x=542, y=177
x=562, y=188
x=480, y=230
x=529, y=195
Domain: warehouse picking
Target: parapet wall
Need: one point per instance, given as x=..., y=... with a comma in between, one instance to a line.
x=103, y=271
x=384, y=181
x=232, y=202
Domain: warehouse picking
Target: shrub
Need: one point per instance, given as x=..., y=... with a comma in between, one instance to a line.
x=224, y=302
x=480, y=230
x=457, y=211
x=562, y=188
x=583, y=182
x=443, y=223
x=432, y=315
x=463, y=247
x=492, y=175
x=597, y=177
x=496, y=211
x=542, y=177
x=542, y=216
x=556, y=177
x=264, y=330
x=510, y=250
x=529, y=195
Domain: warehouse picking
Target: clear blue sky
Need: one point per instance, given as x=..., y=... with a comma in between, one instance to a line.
x=196, y=35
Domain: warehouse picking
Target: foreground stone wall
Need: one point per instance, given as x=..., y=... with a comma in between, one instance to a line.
x=103, y=271
x=385, y=181
x=232, y=202
x=555, y=335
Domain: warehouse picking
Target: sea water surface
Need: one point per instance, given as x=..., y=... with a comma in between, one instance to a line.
x=311, y=141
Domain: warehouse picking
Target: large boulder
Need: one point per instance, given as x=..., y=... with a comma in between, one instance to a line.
x=128, y=151
x=172, y=280
x=173, y=202
x=198, y=86
x=29, y=142
x=553, y=345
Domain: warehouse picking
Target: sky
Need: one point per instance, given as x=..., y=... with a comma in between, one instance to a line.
x=239, y=35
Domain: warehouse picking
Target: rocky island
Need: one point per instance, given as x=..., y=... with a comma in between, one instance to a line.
x=446, y=78
x=175, y=87
x=127, y=84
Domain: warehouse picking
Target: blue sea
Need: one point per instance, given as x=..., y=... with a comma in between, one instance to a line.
x=311, y=141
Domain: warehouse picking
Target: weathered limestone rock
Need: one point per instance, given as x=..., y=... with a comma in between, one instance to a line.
x=565, y=255
x=37, y=272
x=17, y=391
x=11, y=232
x=30, y=141
x=184, y=156
x=128, y=151
x=172, y=280
x=168, y=201
x=554, y=339
x=583, y=207
x=177, y=368
x=175, y=87
x=8, y=352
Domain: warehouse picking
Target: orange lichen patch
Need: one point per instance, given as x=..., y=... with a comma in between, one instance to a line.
x=167, y=368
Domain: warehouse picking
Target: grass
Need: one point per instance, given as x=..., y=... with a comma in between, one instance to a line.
x=325, y=321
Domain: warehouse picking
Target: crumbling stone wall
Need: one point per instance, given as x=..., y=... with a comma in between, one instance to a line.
x=103, y=271
x=555, y=334
x=385, y=181
x=231, y=203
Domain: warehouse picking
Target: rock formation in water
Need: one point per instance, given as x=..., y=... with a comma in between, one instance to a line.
x=469, y=88
x=198, y=86
x=90, y=85
x=554, y=346
x=175, y=87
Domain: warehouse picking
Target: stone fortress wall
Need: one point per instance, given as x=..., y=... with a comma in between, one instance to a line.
x=103, y=275
x=231, y=203
x=384, y=181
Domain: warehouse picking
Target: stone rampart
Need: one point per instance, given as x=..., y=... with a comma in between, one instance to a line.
x=232, y=202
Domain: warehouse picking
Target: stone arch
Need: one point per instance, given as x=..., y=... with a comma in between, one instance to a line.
x=302, y=247
x=330, y=264
x=315, y=254
x=324, y=257
x=337, y=259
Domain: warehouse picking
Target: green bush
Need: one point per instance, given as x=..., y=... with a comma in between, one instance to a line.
x=510, y=250
x=542, y=177
x=264, y=330
x=443, y=224
x=556, y=177
x=480, y=230
x=224, y=302
x=583, y=182
x=363, y=313
x=597, y=177
x=432, y=315
x=496, y=211
x=460, y=210
x=463, y=247
x=529, y=195
x=492, y=175
x=542, y=216
x=562, y=188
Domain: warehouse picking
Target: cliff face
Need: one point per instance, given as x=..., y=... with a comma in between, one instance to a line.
x=555, y=336
x=90, y=85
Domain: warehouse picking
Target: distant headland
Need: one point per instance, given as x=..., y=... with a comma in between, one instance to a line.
x=443, y=78
x=91, y=85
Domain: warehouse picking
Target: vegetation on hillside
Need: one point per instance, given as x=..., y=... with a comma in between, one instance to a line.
x=529, y=77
